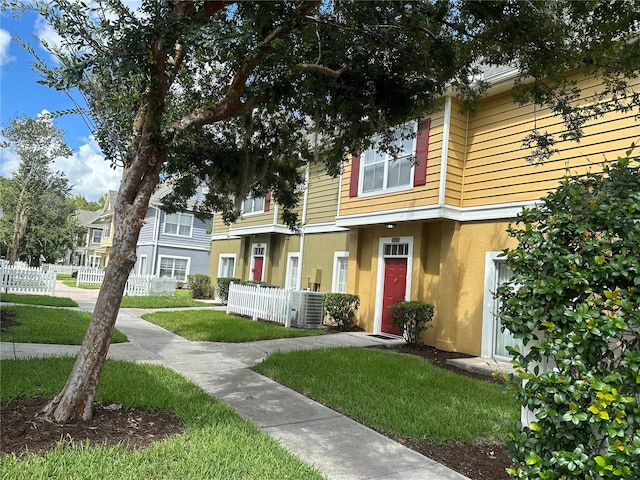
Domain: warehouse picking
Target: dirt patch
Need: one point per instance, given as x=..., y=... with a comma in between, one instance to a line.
x=7, y=319
x=24, y=428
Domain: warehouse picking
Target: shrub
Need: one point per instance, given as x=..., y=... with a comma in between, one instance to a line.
x=223, y=287
x=574, y=300
x=412, y=318
x=200, y=285
x=341, y=309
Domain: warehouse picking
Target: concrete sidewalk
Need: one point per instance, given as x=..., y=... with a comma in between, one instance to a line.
x=338, y=446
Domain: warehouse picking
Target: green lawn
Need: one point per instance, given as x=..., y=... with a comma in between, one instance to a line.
x=50, y=325
x=37, y=300
x=71, y=282
x=217, y=326
x=217, y=443
x=182, y=298
x=395, y=393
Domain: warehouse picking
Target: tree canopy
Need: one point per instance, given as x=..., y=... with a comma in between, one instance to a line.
x=36, y=216
x=235, y=93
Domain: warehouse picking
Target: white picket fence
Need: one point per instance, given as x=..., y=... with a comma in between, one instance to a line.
x=27, y=280
x=264, y=303
x=66, y=269
x=137, y=285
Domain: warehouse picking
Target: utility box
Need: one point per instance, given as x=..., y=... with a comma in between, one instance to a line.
x=306, y=309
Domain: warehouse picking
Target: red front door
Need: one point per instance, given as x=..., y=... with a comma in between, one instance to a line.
x=257, y=269
x=395, y=288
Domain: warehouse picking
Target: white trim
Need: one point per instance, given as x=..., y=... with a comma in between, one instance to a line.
x=488, y=320
x=296, y=281
x=334, y=276
x=377, y=316
x=328, y=227
x=224, y=236
x=175, y=257
x=181, y=246
x=140, y=262
x=431, y=212
x=445, y=151
x=253, y=260
x=386, y=190
x=259, y=229
x=178, y=234
x=226, y=255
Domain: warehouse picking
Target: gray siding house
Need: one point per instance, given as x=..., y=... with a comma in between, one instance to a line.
x=172, y=244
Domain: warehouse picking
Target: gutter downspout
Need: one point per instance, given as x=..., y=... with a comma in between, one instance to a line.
x=445, y=152
x=302, y=227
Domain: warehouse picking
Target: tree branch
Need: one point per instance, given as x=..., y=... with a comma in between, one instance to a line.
x=321, y=69
x=232, y=105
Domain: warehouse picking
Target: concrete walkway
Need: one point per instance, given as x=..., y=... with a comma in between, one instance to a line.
x=338, y=446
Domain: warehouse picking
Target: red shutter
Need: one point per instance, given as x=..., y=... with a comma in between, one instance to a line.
x=267, y=200
x=422, y=153
x=355, y=176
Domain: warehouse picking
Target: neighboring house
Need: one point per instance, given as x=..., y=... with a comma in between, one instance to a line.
x=86, y=253
x=261, y=247
x=169, y=245
x=436, y=235
x=172, y=244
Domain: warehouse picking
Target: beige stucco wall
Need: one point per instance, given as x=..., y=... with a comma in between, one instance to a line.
x=448, y=270
x=318, y=254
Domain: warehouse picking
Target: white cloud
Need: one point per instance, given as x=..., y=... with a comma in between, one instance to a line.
x=88, y=171
x=5, y=41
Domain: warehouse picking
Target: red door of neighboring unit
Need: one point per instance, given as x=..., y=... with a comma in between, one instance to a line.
x=257, y=269
x=395, y=288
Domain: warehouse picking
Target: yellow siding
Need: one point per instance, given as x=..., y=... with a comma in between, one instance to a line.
x=415, y=197
x=322, y=204
x=496, y=170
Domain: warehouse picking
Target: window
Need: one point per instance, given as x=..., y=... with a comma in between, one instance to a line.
x=179, y=224
x=253, y=205
x=94, y=261
x=174, y=267
x=375, y=172
x=142, y=265
x=106, y=230
x=292, y=271
x=227, y=266
x=340, y=268
x=381, y=171
x=96, y=236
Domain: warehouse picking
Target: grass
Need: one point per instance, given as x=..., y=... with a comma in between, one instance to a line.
x=51, y=325
x=64, y=276
x=217, y=443
x=71, y=282
x=37, y=300
x=217, y=326
x=395, y=393
x=182, y=298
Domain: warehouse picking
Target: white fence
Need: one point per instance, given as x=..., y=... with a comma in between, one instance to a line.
x=273, y=304
x=66, y=269
x=137, y=285
x=27, y=280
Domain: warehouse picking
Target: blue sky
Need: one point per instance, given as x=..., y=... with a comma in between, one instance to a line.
x=20, y=94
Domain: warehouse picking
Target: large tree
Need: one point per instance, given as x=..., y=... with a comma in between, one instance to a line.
x=37, y=143
x=230, y=93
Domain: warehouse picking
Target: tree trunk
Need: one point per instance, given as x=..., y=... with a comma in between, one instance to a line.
x=19, y=228
x=76, y=398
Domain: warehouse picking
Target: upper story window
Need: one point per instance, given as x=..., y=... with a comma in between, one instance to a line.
x=106, y=229
x=180, y=224
x=256, y=205
x=381, y=171
x=375, y=171
x=96, y=236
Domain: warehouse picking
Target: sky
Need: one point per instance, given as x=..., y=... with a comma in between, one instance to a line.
x=88, y=172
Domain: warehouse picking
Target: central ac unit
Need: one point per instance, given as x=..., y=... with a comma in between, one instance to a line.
x=306, y=309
